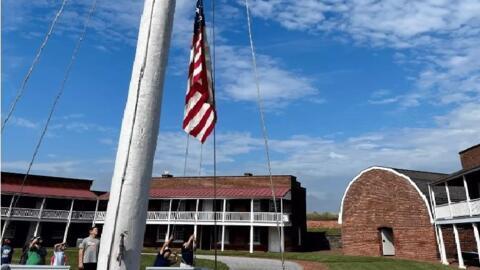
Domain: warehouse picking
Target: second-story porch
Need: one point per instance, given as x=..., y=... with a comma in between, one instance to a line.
x=456, y=199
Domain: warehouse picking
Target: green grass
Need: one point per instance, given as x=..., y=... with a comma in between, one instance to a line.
x=336, y=261
x=147, y=260
x=327, y=231
x=322, y=216
x=333, y=260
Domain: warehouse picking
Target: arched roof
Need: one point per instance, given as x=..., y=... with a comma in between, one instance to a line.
x=419, y=181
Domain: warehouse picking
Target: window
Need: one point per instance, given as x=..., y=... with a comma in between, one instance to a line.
x=271, y=206
x=227, y=238
x=256, y=236
x=164, y=205
x=161, y=233
x=256, y=206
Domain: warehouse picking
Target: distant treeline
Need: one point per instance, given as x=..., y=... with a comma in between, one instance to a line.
x=322, y=216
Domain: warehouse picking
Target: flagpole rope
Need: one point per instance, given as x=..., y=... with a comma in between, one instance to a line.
x=34, y=64
x=201, y=157
x=264, y=130
x=214, y=141
x=55, y=102
x=186, y=156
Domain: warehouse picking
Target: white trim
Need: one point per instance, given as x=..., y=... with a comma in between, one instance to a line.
x=388, y=170
x=477, y=236
x=461, y=264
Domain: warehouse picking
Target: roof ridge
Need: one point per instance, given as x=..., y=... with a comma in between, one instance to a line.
x=417, y=171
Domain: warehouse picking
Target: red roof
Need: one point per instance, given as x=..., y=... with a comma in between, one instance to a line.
x=42, y=191
x=221, y=192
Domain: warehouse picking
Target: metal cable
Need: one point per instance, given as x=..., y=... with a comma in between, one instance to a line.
x=214, y=141
x=56, y=100
x=34, y=64
x=264, y=130
x=186, y=156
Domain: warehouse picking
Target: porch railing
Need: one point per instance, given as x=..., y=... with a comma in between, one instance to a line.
x=458, y=209
x=173, y=216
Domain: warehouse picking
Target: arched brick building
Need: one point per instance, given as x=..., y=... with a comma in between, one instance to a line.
x=386, y=211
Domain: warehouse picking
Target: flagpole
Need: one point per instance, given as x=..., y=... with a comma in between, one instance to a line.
x=129, y=192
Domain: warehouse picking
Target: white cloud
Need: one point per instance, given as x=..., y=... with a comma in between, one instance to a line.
x=327, y=165
x=440, y=35
x=278, y=86
x=56, y=168
x=23, y=122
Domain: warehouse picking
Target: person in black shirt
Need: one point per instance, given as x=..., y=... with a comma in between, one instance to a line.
x=187, y=252
x=7, y=252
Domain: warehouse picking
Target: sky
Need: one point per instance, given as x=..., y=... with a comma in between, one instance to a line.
x=346, y=85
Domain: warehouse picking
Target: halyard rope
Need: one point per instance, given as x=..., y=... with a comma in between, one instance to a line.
x=34, y=64
x=215, y=236
x=264, y=130
x=60, y=92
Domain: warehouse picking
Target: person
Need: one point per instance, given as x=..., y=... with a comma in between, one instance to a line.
x=88, y=253
x=36, y=252
x=7, y=252
x=163, y=255
x=59, y=257
x=187, y=252
x=24, y=255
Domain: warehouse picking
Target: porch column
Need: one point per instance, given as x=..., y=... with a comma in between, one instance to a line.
x=477, y=237
x=448, y=198
x=282, y=234
x=461, y=264
x=251, y=238
x=438, y=228
x=37, y=226
x=442, y=251
x=223, y=224
x=196, y=220
x=68, y=222
x=95, y=213
x=167, y=235
x=467, y=196
x=251, y=225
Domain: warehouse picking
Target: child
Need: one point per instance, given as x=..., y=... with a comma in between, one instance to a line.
x=163, y=255
x=59, y=257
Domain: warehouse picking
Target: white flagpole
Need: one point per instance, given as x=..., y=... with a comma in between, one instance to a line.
x=129, y=192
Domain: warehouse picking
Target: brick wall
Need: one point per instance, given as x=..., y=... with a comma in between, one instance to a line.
x=467, y=239
x=378, y=199
x=323, y=224
x=470, y=157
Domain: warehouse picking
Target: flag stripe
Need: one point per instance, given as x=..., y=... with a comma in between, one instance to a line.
x=199, y=115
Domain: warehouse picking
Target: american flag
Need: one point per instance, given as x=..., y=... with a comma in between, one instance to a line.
x=200, y=117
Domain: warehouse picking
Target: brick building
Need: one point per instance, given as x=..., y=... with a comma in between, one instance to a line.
x=63, y=208
x=414, y=214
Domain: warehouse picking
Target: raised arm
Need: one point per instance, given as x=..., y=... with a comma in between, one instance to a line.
x=80, y=256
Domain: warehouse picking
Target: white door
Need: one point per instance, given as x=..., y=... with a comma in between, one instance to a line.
x=388, y=248
x=273, y=240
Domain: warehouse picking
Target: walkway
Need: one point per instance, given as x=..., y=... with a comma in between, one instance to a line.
x=247, y=263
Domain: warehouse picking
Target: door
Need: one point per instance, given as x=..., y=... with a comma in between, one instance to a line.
x=388, y=248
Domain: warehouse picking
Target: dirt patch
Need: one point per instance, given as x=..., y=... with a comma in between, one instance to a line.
x=307, y=265
x=323, y=224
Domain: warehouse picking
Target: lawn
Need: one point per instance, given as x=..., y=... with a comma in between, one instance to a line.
x=147, y=260
x=333, y=260
x=336, y=261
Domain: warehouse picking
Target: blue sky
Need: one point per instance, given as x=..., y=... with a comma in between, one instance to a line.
x=347, y=85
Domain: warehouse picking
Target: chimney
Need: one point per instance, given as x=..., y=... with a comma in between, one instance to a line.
x=470, y=157
x=247, y=174
x=166, y=174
